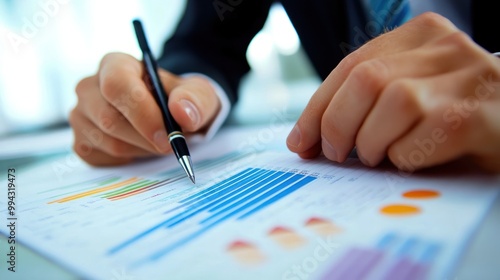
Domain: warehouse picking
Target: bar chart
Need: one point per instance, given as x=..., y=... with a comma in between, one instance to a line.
x=280, y=216
x=113, y=187
x=237, y=198
x=395, y=256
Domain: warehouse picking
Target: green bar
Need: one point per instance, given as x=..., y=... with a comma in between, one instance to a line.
x=129, y=188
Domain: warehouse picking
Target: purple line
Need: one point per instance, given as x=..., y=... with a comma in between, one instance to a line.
x=342, y=265
x=356, y=264
x=405, y=268
x=400, y=269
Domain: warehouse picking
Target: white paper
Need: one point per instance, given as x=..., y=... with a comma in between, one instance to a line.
x=252, y=214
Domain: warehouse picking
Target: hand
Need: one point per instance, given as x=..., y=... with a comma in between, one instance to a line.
x=423, y=94
x=117, y=119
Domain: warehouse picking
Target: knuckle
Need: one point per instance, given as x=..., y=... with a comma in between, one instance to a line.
x=434, y=20
x=199, y=81
x=401, y=95
x=460, y=41
x=474, y=119
x=401, y=90
x=181, y=92
x=82, y=149
x=72, y=118
x=108, y=58
x=491, y=70
x=394, y=153
x=110, y=86
x=146, y=118
x=83, y=86
x=117, y=148
x=107, y=118
x=329, y=126
x=137, y=94
x=370, y=73
x=460, y=38
x=350, y=61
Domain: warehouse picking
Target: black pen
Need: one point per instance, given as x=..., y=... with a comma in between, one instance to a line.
x=175, y=136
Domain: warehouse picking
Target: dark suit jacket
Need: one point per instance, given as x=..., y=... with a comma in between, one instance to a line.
x=213, y=35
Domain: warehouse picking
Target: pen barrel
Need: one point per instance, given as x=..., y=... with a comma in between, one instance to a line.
x=179, y=146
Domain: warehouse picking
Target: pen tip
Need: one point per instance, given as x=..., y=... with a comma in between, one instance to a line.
x=187, y=165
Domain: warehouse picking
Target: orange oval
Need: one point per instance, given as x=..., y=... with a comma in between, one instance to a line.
x=421, y=194
x=400, y=210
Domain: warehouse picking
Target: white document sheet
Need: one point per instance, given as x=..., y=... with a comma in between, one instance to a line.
x=256, y=211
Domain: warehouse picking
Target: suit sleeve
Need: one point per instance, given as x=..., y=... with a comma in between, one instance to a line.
x=212, y=38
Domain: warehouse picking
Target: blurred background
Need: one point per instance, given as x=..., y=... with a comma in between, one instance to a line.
x=47, y=46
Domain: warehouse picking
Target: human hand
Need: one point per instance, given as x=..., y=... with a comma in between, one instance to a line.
x=117, y=118
x=422, y=95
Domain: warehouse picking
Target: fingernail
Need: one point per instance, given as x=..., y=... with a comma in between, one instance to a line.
x=294, y=137
x=191, y=111
x=328, y=150
x=160, y=139
x=363, y=160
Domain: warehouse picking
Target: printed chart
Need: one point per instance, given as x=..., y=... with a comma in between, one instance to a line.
x=274, y=216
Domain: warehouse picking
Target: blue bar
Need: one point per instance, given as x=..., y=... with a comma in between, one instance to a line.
x=386, y=241
x=171, y=220
x=219, y=186
x=202, y=206
x=252, y=185
x=430, y=253
x=196, y=195
x=216, y=194
x=251, y=192
x=296, y=184
x=259, y=197
x=286, y=192
x=126, y=243
x=407, y=247
x=164, y=251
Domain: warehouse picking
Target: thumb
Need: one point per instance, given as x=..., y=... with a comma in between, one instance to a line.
x=192, y=102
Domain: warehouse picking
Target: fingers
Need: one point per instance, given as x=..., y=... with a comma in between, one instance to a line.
x=122, y=86
x=192, y=102
x=357, y=97
x=431, y=142
x=395, y=113
x=414, y=152
x=462, y=124
x=305, y=136
x=307, y=132
x=117, y=111
x=98, y=148
x=108, y=119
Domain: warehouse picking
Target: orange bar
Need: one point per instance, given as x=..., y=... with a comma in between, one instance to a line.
x=94, y=191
